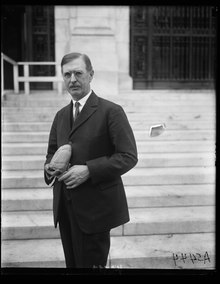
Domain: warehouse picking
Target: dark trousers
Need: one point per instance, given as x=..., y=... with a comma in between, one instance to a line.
x=81, y=250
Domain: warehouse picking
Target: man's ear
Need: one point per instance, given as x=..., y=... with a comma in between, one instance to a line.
x=91, y=75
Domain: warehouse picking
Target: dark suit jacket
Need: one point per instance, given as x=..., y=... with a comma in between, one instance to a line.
x=103, y=140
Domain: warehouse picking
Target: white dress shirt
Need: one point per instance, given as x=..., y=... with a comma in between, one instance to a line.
x=82, y=103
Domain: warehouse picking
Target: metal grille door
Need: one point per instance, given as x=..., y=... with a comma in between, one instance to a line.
x=172, y=46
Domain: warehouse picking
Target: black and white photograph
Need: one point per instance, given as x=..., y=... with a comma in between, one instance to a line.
x=108, y=138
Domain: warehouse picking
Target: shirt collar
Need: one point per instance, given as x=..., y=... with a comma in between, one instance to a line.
x=83, y=100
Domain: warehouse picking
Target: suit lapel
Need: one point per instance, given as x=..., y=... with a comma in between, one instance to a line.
x=89, y=108
x=66, y=123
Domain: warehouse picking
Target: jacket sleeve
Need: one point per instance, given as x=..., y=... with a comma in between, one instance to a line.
x=51, y=149
x=125, y=155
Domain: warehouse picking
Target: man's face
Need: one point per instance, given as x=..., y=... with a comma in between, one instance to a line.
x=76, y=78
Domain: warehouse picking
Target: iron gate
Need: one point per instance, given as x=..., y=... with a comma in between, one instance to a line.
x=172, y=46
x=40, y=42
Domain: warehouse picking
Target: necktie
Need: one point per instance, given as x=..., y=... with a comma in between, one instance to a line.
x=77, y=104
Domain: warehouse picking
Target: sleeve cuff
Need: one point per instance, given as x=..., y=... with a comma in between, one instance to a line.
x=50, y=178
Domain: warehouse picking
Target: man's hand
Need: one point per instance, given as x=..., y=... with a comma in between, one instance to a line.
x=75, y=176
x=52, y=173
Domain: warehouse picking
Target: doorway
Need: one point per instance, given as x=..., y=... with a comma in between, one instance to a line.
x=28, y=35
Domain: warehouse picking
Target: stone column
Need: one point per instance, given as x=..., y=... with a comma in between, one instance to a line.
x=123, y=46
x=62, y=34
x=92, y=34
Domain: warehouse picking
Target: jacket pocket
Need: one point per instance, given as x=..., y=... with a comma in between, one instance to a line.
x=109, y=184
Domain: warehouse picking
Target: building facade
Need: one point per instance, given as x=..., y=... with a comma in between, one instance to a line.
x=140, y=47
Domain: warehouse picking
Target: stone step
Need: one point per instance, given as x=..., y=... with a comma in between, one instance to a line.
x=186, y=146
x=21, y=199
x=36, y=115
x=128, y=107
x=164, y=251
x=171, y=135
x=133, y=96
x=35, y=148
x=170, y=195
x=143, y=221
x=136, y=176
x=145, y=252
x=45, y=253
x=48, y=102
x=25, y=148
x=177, y=94
x=26, y=126
x=154, y=160
x=128, y=102
x=168, y=176
x=27, y=199
x=170, y=220
x=150, y=160
x=136, y=125
x=142, y=108
x=174, y=94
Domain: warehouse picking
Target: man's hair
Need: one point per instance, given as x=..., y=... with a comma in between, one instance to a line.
x=74, y=55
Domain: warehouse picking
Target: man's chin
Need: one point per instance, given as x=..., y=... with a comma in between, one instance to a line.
x=76, y=94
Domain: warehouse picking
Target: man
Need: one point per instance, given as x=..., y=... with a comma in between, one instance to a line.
x=89, y=198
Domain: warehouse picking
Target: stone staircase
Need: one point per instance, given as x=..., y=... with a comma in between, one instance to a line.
x=171, y=191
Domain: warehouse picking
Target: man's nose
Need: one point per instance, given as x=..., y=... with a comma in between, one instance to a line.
x=73, y=78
